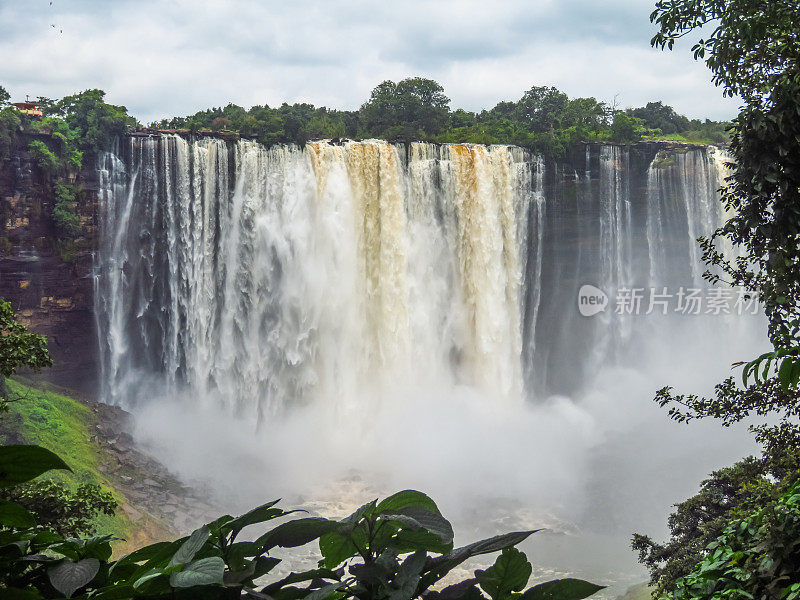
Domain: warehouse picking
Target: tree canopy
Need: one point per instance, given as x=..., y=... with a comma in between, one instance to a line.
x=417, y=109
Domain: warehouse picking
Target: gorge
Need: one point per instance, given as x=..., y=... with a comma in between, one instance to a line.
x=272, y=276
x=361, y=301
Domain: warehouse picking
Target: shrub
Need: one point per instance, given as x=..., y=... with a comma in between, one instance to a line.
x=395, y=549
x=756, y=558
x=65, y=216
x=48, y=162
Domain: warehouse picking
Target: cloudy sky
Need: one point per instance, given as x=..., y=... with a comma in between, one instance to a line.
x=162, y=58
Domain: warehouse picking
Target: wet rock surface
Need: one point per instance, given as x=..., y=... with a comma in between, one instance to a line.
x=151, y=489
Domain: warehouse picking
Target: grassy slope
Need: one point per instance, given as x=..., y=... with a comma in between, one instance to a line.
x=66, y=427
x=678, y=137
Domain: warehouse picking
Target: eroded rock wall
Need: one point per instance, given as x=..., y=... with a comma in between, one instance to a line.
x=48, y=281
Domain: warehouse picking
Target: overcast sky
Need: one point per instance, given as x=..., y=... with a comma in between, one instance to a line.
x=164, y=58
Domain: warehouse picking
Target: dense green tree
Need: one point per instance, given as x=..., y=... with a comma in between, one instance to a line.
x=4, y=96
x=65, y=216
x=18, y=348
x=544, y=119
x=45, y=158
x=626, y=128
x=414, y=108
x=657, y=115
x=541, y=109
x=10, y=121
x=753, y=51
x=97, y=122
x=755, y=557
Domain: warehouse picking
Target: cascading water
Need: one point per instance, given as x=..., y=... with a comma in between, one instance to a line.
x=264, y=277
x=682, y=195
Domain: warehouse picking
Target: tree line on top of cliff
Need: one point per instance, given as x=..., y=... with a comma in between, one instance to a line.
x=543, y=119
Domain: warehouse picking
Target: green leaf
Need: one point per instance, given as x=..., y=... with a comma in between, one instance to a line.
x=67, y=576
x=336, y=549
x=262, y=513
x=158, y=560
x=116, y=592
x=264, y=564
x=408, y=576
x=98, y=547
x=441, y=565
x=407, y=540
x=325, y=591
x=405, y=499
x=146, y=553
x=191, y=546
x=206, y=571
x=15, y=515
x=365, y=510
x=296, y=533
x=509, y=573
x=785, y=372
x=562, y=589
x=21, y=463
x=421, y=518
x=463, y=590
x=299, y=578
x=148, y=576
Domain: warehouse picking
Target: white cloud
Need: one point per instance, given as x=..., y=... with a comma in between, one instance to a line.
x=173, y=58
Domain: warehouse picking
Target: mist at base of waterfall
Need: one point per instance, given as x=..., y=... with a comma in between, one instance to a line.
x=591, y=469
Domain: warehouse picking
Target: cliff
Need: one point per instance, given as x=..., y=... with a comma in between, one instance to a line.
x=48, y=281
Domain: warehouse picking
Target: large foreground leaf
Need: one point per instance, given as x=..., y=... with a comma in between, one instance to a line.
x=21, y=463
x=441, y=565
x=206, y=571
x=67, y=576
x=562, y=589
x=406, y=499
x=15, y=515
x=509, y=573
x=296, y=533
x=191, y=546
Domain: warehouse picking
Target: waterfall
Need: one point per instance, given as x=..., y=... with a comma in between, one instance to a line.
x=615, y=242
x=263, y=277
x=682, y=195
x=260, y=278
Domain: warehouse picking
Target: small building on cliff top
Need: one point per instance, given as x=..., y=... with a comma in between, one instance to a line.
x=29, y=108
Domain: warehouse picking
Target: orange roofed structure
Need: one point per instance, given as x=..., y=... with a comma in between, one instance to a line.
x=29, y=108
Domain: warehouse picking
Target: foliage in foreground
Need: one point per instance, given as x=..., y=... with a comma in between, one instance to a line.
x=753, y=51
x=55, y=506
x=755, y=558
x=71, y=503
x=395, y=549
x=728, y=494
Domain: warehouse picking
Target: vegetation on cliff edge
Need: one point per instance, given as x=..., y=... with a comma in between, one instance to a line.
x=753, y=51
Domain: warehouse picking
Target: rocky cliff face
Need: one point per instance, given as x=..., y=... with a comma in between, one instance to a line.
x=48, y=282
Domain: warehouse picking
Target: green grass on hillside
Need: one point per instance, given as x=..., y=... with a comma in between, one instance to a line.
x=64, y=426
x=689, y=137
